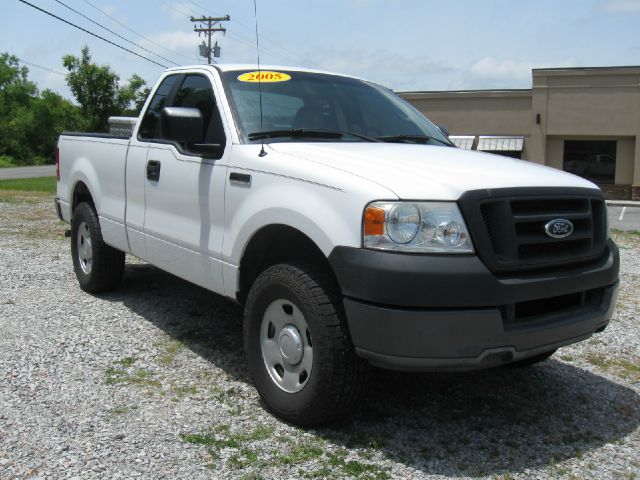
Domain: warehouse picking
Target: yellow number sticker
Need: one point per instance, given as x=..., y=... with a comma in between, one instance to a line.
x=264, y=76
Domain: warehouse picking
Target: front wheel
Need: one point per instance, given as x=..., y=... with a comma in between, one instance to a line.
x=298, y=347
x=98, y=266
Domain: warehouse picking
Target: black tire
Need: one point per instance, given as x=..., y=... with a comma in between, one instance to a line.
x=107, y=263
x=337, y=375
x=528, y=362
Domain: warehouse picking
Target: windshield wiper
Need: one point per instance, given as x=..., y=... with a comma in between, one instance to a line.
x=412, y=138
x=307, y=133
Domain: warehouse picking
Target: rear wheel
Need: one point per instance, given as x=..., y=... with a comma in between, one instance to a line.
x=98, y=266
x=298, y=347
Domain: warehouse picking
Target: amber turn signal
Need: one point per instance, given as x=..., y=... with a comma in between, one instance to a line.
x=374, y=221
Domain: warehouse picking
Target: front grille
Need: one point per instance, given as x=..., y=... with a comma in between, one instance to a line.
x=508, y=226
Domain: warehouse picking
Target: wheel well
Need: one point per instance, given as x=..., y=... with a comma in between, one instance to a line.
x=272, y=245
x=81, y=194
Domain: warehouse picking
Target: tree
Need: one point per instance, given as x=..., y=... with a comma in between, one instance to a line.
x=31, y=121
x=98, y=91
x=52, y=114
x=17, y=95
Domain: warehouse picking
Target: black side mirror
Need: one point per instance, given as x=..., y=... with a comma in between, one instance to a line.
x=444, y=130
x=182, y=125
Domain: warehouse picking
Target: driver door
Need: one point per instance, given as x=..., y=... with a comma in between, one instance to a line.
x=184, y=193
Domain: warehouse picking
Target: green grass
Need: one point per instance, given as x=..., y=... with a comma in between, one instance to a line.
x=38, y=184
x=623, y=367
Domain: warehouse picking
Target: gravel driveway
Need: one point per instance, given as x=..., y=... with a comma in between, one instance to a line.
x=150, y=382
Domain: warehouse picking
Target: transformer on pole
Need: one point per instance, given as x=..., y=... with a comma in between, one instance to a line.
x=208, y=27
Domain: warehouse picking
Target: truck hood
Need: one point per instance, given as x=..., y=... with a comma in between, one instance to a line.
x=423, y=172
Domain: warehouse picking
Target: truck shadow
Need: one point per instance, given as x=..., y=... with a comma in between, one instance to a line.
x=481, y=423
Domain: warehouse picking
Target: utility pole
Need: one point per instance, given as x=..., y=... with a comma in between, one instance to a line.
x=208, y=27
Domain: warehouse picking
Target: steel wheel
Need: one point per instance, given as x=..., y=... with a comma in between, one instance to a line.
x=286, y=345
x=98, y=266
x=85, y=248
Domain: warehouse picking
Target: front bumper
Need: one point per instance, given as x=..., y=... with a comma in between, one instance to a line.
x=436, y=312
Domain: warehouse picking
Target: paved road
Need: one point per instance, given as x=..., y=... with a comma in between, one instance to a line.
x=624, y=218
x=28, y=172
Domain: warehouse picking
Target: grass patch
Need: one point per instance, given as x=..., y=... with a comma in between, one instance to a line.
x=619, y=231
x=623, y=367
x=38, y=184
x=184, y=391
x=126, y=362
x=170, y=349
x=119, y=410
x=142, y=377
x=259, y=448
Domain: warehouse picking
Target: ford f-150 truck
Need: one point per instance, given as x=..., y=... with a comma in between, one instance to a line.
x=347, y=224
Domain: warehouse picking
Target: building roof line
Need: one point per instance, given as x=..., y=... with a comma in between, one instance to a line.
x=486, y=90
x=612, y=67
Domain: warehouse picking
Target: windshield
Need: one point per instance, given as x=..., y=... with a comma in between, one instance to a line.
x=303, y=106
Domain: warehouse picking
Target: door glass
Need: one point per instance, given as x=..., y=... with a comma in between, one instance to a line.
x=158, y=102
x=196, y=92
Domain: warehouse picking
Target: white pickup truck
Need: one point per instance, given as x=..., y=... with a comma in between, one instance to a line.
x=347, y=224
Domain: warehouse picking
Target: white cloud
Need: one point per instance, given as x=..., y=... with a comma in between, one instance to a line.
x=180, y=11
x=181, y=41
x=490, y=68
x=490, y=72
x=387, y=68
x=620, y=6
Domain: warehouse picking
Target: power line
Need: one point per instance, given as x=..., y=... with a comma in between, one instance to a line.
x=176, y=9
x=41, y=67
x=114, y=33
x=134, y=32
x=287, y=55
x=91, y=33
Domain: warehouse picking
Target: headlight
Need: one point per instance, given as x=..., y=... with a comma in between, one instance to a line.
x=419, y=227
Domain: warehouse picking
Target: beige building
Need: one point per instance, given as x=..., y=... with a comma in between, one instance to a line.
x=583, y=120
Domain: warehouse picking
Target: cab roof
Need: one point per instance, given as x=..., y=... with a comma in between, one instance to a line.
x=233, y=67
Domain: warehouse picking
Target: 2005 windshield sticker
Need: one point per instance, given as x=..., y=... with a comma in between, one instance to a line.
x=264, y=76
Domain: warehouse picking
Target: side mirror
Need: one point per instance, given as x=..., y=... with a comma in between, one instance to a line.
x=182, y=125
x=444, y=130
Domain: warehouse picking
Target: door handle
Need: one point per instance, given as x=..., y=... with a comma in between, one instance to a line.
x=240, y=179
x=153, y=170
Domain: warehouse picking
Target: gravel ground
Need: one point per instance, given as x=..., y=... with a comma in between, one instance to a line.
x=150, y=382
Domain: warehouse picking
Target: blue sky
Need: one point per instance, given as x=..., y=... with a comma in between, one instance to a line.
x=403, y=44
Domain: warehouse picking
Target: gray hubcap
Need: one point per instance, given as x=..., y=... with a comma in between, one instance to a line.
x=286, y=345
x=85, y=248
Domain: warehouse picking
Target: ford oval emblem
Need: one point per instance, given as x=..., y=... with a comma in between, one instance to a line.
x=559, y=228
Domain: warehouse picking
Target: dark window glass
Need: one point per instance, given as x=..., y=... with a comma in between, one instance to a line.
x=158, y=102
x=318, y=101
x=196, y=92
x=594, y=160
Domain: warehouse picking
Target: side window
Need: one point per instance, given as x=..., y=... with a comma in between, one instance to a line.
x=158, y=102
x=196, y=92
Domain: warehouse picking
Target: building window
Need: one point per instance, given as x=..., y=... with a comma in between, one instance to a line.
x=507, y=146
x=594, y=160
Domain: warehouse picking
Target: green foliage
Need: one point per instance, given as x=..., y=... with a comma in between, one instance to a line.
x=38, y=184
x=98, y=91
x=31, y=121
x=6, y=161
